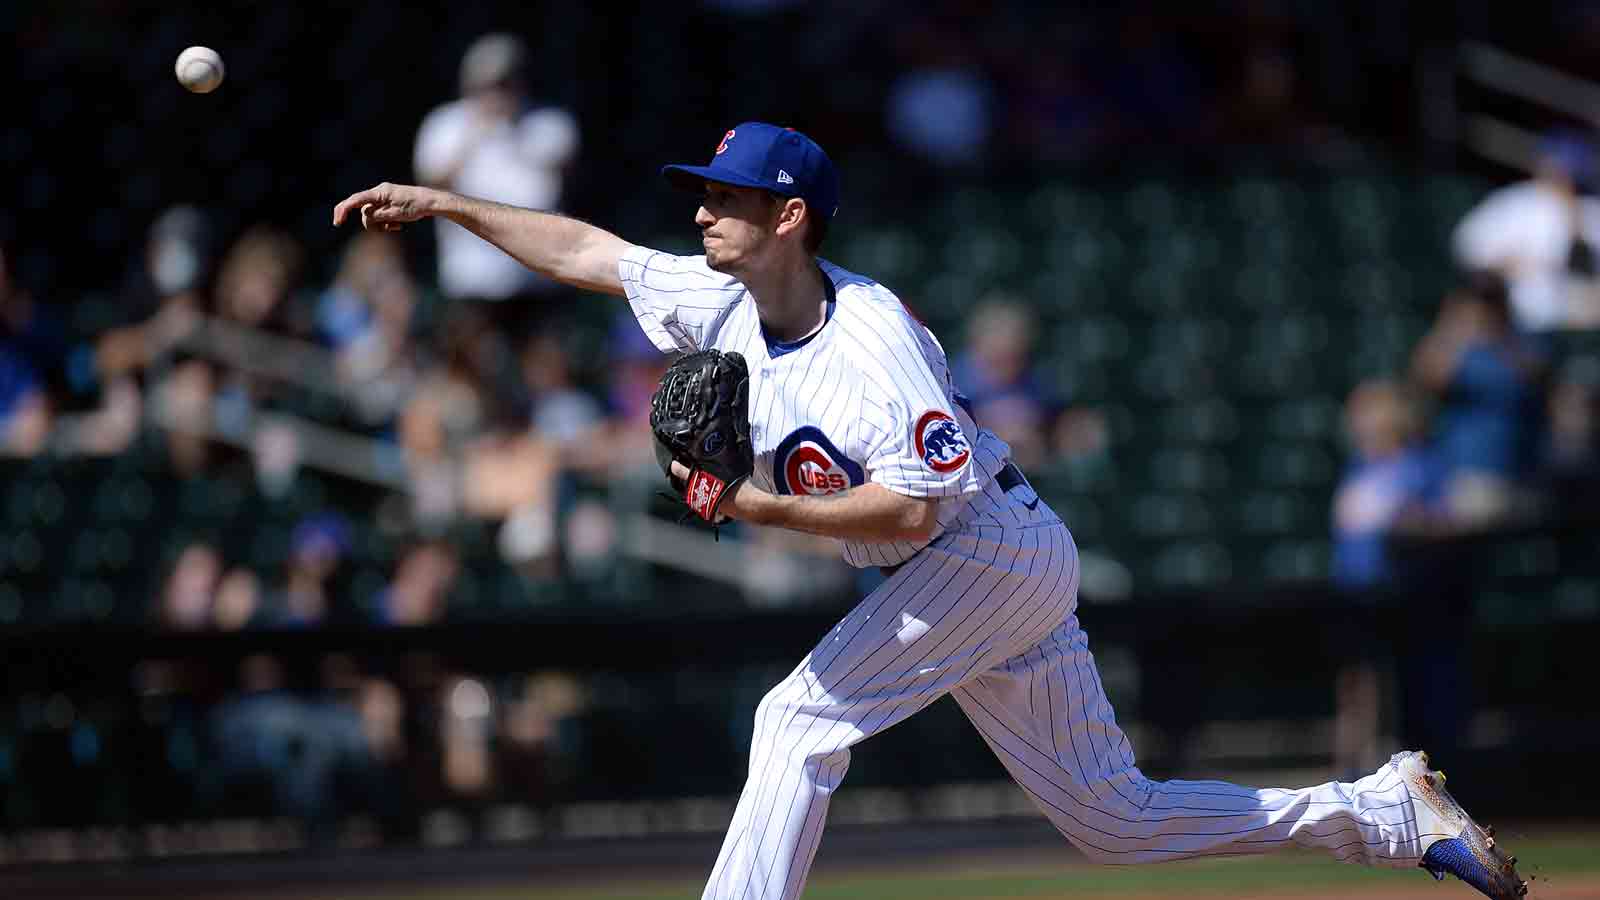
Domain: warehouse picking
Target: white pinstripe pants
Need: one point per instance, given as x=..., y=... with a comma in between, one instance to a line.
x=988, y=615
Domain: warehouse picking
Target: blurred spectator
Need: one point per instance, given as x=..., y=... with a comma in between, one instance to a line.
x=166, y=296
x=366, y=317
x=1391, y=484
x=177, y=252
x=257, y=278
x=569, y=422
x=998, y=375
x=275, y=451
x=107, y=430
x=183, y=406
x=537, y=746
x=459, y=468
x=1387, y=490
x=1082, y=441
x=442, y=414
x=941, y=106
x=1487, y=382
x=467, y=731
x=24, y=409
x=30, y=329
x=496, y=144
x=255, y=288
x=624, y=446
x=316, y=549
x=1542, y=236
x=299, y=751
x=238, y=600
x=191, y=586
x=382, y=709
x=24, y=404
x=420, y=591
x=1571, y=466
x=560, y=411
x=512, y=476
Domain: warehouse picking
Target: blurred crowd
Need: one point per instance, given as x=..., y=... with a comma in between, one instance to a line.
x=353, y=757
x=479, y=392
x=466, y=401
x=1136, y=75
x=1495, y=425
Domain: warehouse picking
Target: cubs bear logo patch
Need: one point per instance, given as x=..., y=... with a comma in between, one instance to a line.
x=940, y=443
x=806, y=462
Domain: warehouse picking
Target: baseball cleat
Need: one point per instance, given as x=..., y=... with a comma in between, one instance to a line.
x=1452, y=843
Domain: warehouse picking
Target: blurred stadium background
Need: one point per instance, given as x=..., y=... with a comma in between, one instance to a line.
x=335, y=559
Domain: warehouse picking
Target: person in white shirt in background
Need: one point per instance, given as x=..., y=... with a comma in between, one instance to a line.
x=1543, y=237
x=494, y=144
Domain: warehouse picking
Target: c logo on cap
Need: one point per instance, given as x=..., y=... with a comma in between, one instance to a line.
x=724, y=145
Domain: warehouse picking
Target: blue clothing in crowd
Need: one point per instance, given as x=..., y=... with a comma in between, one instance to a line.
x=1489, y=421
x=1372, y=496
x=17, y=383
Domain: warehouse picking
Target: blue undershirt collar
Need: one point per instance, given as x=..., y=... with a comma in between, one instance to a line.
x=776, y=349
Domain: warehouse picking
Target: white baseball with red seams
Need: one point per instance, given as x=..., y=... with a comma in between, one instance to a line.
x=985, y=611
x=199, y=69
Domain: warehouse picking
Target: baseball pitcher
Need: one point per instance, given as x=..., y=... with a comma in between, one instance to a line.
x=808, y=398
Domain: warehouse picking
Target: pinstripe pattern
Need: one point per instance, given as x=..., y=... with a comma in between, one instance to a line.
x=863, y=381
x=988, y=616
x=985, y=612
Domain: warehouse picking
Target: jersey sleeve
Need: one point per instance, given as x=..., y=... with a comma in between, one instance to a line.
x=678, y=300
x=915, y=443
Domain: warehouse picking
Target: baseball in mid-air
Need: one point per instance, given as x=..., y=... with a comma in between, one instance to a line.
x=199, y=69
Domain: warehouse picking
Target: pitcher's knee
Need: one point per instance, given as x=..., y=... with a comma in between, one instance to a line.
x=791, y=724
x=774, y=709
x=780, y=718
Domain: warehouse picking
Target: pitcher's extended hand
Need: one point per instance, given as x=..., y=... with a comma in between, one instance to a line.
x=388, y=206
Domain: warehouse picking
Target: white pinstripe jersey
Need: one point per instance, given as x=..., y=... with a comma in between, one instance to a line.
x=867, y=398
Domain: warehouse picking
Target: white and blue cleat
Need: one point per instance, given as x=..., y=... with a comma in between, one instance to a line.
x=1452, y=843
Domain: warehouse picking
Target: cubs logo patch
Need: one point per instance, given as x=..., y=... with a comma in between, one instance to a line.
x=939, y=442
x=724, y=145
x=806, y=462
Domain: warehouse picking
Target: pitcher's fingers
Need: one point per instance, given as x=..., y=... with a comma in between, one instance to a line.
x=353, y=201
x=383, y=213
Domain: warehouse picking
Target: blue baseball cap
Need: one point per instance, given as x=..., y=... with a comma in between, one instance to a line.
x=780, y=160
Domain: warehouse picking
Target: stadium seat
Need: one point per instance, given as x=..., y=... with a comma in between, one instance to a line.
x=1292, y=465
x=1281, y=513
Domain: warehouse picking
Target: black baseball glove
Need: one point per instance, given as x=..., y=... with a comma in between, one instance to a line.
x=700, y=417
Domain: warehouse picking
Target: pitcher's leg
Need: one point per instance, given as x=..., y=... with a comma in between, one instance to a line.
x=1046, y=716
x=938, y=620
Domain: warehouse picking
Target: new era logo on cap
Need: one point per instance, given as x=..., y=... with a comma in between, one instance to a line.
x=759, y=155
